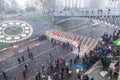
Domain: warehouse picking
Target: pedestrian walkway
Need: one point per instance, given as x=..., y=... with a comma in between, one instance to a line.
x=9, y=52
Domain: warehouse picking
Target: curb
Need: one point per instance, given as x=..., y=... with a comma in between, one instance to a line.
x=17, y=44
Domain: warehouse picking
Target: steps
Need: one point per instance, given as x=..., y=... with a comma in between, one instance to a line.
x=87, y=43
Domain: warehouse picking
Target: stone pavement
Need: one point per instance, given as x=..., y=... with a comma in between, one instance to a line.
x=40, y=54
x=11, y=51
x=67, y=57
x=40, y=51
x=9, y=57
x=9, y=60
x=23, y=46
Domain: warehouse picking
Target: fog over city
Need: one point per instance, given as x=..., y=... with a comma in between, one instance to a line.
x=58, y=5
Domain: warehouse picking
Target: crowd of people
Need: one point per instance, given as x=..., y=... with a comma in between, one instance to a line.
x=59, y=70
x=62, y=69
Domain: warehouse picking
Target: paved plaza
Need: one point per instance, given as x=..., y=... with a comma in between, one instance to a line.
x=41, y=51
x=59, y=39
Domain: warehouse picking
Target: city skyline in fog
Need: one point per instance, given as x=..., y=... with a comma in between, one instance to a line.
x=88, y=3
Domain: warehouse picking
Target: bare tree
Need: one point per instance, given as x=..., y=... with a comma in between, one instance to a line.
x=11, y=6
x=44, y=4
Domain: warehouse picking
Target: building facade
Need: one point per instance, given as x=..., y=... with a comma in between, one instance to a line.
x=88, y=3
x=35, y=3
x=60, y=4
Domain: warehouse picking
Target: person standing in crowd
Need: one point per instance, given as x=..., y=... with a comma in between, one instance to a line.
x=70, y=73
x=49, y=77
x=51, y=67
x=50, y=56
x=38, y=76
x=26, y=67
x=67, y=70
x=24, y=72
x=79, y=76
x=71, y=62
x=53, y=41
x=62, y=69
x=28, y=49
x=4, y=75
x=63, y=45
x=71, y=48
x=31, y=55
x=85, y=77
x=23, y=59
x=92, y=78
x=19, y=61
x=79, y=47
x=61, y=63
x=43, y=76
x=43, y=67
x=78, y=57
x=68, y=46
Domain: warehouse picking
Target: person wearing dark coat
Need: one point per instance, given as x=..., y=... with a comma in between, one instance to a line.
x=79, y=76
x=92, y=78
x=4, y=75
x=85, y=77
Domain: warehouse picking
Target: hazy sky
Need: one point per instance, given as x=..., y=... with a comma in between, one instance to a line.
x=22, y=2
